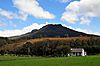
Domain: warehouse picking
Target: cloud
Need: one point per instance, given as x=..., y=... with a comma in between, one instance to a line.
x=26, y=7
x=82, y=11
x=7, y=14
x=10, y=15
x=15, y=32
x=64, y=1
x=69, y=16
x=23, y=16
x=2, y=24
x=88, y=31
x=32, y=7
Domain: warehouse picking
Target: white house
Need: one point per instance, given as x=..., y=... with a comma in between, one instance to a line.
x=77, y=52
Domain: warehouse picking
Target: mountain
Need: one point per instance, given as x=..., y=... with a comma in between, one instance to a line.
x=52, y=30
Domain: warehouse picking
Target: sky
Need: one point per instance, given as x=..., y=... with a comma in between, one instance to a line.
x=21, y=16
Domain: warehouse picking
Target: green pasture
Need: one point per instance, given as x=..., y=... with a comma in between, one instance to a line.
x=50, y=61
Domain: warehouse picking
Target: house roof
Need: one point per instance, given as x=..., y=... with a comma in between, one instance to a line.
x=77, y=49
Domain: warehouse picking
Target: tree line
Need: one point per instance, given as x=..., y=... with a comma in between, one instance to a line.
x=57, y=48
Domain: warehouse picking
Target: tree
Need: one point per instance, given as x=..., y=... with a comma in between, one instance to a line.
x=62, y=50
x=28, y=48
x=2, y=52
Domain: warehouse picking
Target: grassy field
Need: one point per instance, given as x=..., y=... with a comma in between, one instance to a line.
x=42, y=61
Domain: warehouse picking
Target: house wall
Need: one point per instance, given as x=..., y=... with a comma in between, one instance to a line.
x=75, y=54
x=81, y=53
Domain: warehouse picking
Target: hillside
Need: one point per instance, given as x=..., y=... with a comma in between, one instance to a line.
x=3, y=41
x=52, y=30
x=90, y=44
